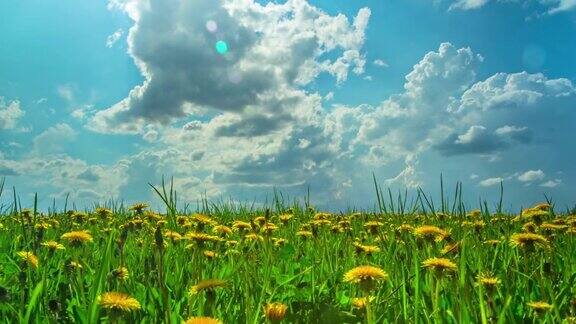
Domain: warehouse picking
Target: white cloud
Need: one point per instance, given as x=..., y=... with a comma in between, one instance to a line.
x=273, y=51
x=490, y=182
x=532, y=175
x=53, y=139
x=468, y=4
x=380, y=63
x=551, y=183
x=66, y=92
x=114, y=37
x=10, y=113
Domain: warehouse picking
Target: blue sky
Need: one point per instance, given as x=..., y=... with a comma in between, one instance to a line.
x=98, y=99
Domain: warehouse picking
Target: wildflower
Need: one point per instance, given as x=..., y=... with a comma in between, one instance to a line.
x=28, y=258
x=260, y=220
x=202, y=220
x=119, y=302
x=540, y=307
x=336, y=229
x=202, y=320
x=488, y=281
x=121, y=273
x=53, y=246
x=138, y=208
x=360, y=303
x=284, y=218
x=404, y=228
x=279, y=241
x=73, y=265
x=322, y=216
x=366, y=276
x=450, y=248
x=268, y=228
x=372, y=226
x=253, y=237
x=241, y=226
x=439, y=264
x=304, y=234
x=77, y=238
x=208, y=285
x=210, y=254
x=222, y=230
x=103, y=212
x=429, y=232
x=528, y=240
x=474, y=213
x=529, y=227
x=275, y=312
x=368, y=249
x=173, y=236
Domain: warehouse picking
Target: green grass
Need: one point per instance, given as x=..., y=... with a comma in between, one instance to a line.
x=304, y=274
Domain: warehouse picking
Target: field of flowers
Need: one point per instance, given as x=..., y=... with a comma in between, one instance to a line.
x=292, y=264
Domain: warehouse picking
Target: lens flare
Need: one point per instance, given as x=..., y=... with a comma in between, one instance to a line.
x=211, y=26
x=221, y=47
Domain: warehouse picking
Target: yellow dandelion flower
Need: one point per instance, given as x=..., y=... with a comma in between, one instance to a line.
x=210, y=254
x=373, y=226
x=202, y=219
x=222, y=230
x=207, y=285
x=138, y=207
x=429, y=232
x=488, y=281
x=474, y=213
x=284, y=218
x=275, y=311
x=322, y=216
x=52, y=246
x=253, y=237
x=117, y=301
x=202, y=320
x=304, y=234
x=279, y=241
x=121, y=273
x=269, y=228
x=539, y=307
x=260, y=220
x=365, y=273
x=529, y=227
x=367, y=249
x=528, y=240
x=173, y=236
x=405, y=228
x=360, y=303
x=77, y=238
x=241, y=226
x=29, y=258
x=439, y=264
x=450, y=248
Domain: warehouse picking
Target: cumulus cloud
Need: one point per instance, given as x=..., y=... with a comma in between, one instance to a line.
x=468, y=4
x=114, y=37
x=53, y=139
x=490, y=182
x=10, y=113
x=380, y=63
x=551, y=183
x=531, y=175
x=271, y=51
